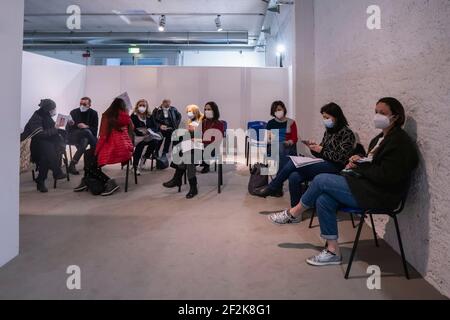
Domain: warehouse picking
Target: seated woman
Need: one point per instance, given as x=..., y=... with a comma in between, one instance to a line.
x=143, y=121
x=336, y=148
x=114, y=146
x=195, y=123
x=47, y=146
x=287, y=137
x=376, y=182
x=211, y=121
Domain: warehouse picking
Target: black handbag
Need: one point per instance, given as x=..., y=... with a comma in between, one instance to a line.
x=257, y=180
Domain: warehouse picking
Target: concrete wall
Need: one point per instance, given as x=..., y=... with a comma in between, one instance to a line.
x=409, y=58
x=44, y=77
x=243, y=94
x=11, y=35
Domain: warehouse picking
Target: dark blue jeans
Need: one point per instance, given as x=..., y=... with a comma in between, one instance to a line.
x=298, y=176
x=327, y=193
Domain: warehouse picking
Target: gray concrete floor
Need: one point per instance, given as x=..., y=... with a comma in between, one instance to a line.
x=152, y=243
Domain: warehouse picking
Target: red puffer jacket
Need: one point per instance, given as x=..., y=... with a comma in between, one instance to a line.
x=116, y=147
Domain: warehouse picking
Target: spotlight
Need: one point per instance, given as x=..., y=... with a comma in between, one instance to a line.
x=281, y=49
x=218, y=23
x=162, y=23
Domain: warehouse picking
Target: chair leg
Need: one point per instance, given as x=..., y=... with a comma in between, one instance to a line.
x=135, y=173
x=185, y=177
x=54, y=183
x=33, y=175
x=70, y=153
x=126, y=176
x=374, y=232
x=355, y=245
x=219, y=179
x=353, y=220
x=405, y=264
x=313, y=213
x=66, y=164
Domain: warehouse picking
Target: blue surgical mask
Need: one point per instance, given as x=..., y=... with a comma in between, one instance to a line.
x=328, y=123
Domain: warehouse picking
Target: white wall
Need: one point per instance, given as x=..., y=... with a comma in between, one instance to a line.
x=11, y=37
x=243, y=94
x=223, y=59
x=44, y=77
x=409, y=58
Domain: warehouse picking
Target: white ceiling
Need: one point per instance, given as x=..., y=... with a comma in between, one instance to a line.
x=248, y=15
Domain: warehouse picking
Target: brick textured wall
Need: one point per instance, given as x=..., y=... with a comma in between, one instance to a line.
x=409, y=58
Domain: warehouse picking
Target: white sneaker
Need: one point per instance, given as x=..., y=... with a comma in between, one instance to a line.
x=283, y=217
x=138, y=172
x=325, y=258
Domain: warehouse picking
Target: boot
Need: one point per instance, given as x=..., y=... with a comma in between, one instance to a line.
x=176, y=181
x=205, y=169
x=193, y=191
x=265, y=192
x=41, y=187
x=73, y=169
x=110, y=187
x=82, y=187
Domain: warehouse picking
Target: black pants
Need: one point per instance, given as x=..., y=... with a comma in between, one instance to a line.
x=167, y=138
x=82, y=138
x=91, y=168
x=151, y=147
x=50, y=158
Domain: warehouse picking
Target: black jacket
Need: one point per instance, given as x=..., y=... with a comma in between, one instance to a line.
x=150, y=124
x=383, y=183
x=173, y=121
x=92, y=121
x=41, y=120
x=337, y=146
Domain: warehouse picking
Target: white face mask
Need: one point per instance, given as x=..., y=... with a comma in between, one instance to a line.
x=209, y=114
x=279, y=114
x=53, y=113
x=84, y=109
x=381, y=122
x=328, y=123
x=142, y=109
x=190, y=115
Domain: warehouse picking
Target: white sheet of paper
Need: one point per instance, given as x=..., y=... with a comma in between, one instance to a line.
x=126, y=98
x=62, y=120
x=300, y=162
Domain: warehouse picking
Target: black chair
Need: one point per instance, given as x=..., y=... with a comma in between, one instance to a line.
x=128, y=174
x=393, y=214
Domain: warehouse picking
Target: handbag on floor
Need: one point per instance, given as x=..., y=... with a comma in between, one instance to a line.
x=257, y=180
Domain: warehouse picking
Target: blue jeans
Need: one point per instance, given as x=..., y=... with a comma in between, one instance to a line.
x=297, y=176
x=327, y=193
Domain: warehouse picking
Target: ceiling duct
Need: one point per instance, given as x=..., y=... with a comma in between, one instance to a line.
x=105, y=40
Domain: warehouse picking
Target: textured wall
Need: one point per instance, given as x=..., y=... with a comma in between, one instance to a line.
x=409, y=58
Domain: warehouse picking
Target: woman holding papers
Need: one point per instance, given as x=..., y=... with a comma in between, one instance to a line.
x=47, y=143
x=380, y=181
x=333, y=153
x=145, y=134
x=193, y=124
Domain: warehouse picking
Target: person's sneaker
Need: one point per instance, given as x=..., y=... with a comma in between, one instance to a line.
x=82, y=187
x=325, y=258
x=284, y=217
x=138, y=172
x=110, y=187
x=73, y=170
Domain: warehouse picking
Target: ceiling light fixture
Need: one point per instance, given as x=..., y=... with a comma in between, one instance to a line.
x=218, y=23
x=162, y=23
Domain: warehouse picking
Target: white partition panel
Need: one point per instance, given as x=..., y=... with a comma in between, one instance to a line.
x=243, y=94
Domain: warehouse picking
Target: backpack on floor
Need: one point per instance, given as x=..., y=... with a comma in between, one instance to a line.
x=95, y=186
x=257, y=180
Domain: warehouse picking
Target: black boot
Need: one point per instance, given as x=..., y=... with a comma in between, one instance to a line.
x=41, y=187
x=265, y=192
x=176, y=181
x=193, y=190
x=205, y=169
x=73, y=169
x=82, y=187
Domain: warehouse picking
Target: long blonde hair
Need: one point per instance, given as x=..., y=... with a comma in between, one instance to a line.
x=197, y=113
x=147, y=112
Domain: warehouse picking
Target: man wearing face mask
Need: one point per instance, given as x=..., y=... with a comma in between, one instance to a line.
x=168, y=119
x=82, y=131
x=47, y=144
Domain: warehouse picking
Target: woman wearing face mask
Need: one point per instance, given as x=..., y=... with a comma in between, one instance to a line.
x=377, y=181
x=211, y=122
x=337, y=146
x=47, y=144
x=193, y=124
x=143, y=121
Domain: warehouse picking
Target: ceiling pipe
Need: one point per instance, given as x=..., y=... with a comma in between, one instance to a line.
x=83, y=40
